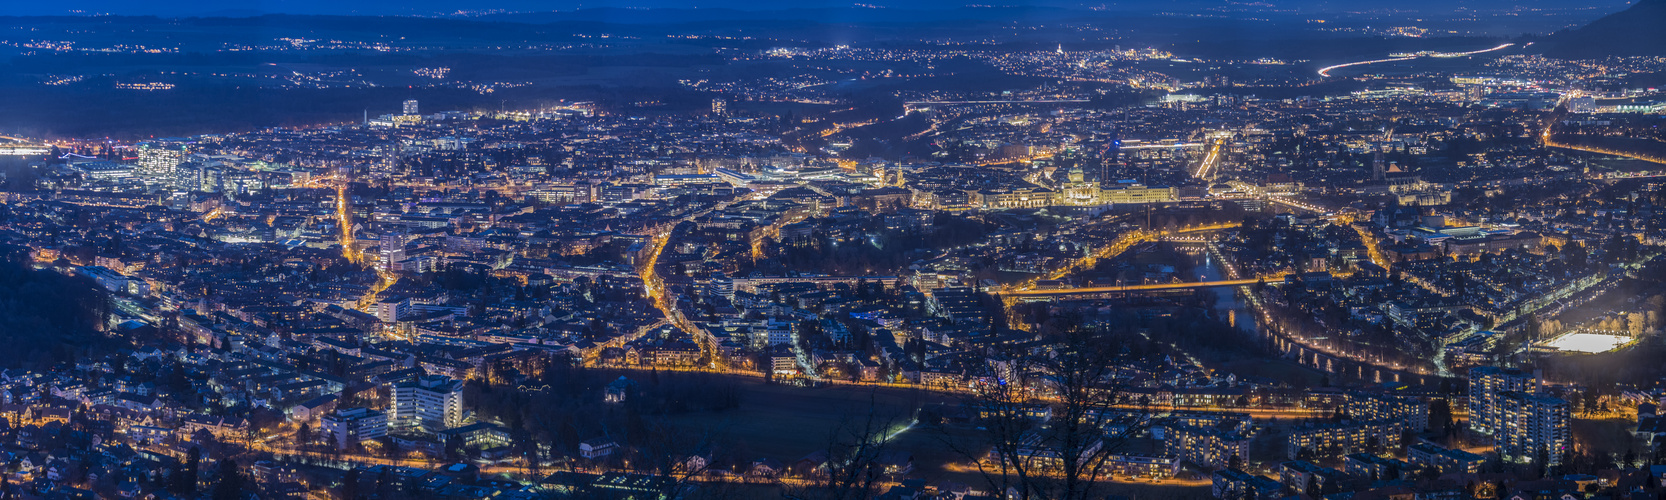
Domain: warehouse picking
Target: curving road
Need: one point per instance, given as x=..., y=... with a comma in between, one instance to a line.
x=1325, y=71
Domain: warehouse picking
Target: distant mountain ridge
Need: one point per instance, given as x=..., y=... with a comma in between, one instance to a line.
x=198, y=8
x=833, y=15
x=1636, y=31
x=1031, y=10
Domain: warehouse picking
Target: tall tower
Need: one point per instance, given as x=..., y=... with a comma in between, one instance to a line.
x=411, y=106
x=1378, y=168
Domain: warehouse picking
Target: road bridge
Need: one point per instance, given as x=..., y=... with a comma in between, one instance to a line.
x=1135, y=288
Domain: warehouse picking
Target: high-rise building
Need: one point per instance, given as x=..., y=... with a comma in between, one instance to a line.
x=719, y=107
x=159, y=163
x=411, y=106
x=431, y=403
x=1582, y=104
x=1535, y=427
x=1511, y=407
x=187, y=176
x=1486, y=384
x=197, y=176
x=393, y=247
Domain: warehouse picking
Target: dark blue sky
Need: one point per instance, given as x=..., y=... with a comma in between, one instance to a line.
x=430, y=7
x=398, y=7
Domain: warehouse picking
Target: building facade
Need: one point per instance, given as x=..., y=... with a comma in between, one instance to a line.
x=431, y=403
x=1203, y=445
x=1343, y=438
x=1412, y=410
x=1486, y=384
x=1534, y=427
x=350, y=426
x=1510, y=406
x=1445, y=460
x=1228, y=483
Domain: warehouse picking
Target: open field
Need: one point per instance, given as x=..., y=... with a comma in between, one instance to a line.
x=786, y=422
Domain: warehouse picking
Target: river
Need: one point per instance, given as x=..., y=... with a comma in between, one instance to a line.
x=1227, y=304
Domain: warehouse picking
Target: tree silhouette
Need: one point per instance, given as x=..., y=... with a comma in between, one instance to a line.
x=350, y=484
x=185, y=481
x=1068, y=457
x=230, y=486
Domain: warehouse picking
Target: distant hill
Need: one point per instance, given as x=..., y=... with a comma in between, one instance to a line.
x=1635, y=31
x=918, y=11
x=899, y=8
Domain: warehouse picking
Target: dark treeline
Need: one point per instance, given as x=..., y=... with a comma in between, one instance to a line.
x=563, y=405
x=200, y=107
x=886, y=252
x=45, y=316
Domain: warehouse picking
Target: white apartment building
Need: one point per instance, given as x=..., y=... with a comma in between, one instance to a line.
x=354, y=425
x=431, y=403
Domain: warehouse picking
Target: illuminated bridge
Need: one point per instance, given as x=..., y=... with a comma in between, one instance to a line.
x=1137, y=288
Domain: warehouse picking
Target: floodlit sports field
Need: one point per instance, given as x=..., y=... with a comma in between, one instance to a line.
x=1587, y=342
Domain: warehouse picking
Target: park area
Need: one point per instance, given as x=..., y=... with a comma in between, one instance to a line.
x=1585, y=342
x=785, y=422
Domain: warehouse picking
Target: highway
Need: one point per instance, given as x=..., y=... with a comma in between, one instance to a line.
x=1325, y=71
x=1211, y=163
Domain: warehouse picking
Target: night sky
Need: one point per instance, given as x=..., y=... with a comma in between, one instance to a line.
x=432, y=7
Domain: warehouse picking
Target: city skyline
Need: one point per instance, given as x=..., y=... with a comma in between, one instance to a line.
x=910, y=251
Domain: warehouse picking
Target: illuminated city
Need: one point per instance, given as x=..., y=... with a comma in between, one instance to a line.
x=718, y=249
